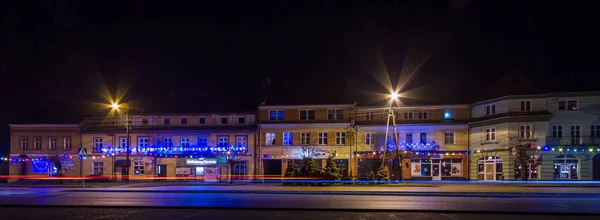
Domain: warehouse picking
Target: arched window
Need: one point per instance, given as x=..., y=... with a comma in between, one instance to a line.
x=566, y=167
x=490, y=168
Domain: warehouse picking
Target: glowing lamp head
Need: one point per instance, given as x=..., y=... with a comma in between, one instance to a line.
x=394, y=95
x=115, y=106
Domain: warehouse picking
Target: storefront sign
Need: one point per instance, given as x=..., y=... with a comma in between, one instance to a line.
x=201, y=161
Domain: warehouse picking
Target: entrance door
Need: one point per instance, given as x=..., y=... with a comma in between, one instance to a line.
x=161, y=172
x=239, y=170
x=436, y=172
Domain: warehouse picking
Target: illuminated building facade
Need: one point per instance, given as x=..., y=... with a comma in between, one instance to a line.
x=200, y=147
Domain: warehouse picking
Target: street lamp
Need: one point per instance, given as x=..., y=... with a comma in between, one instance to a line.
x=392, y=114
x=115, y=106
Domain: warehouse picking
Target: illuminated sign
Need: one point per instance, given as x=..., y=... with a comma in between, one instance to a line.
x=201, y=161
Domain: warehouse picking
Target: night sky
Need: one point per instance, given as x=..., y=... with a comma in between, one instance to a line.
x=214, y=56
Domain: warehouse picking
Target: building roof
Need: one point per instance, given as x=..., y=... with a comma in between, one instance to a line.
x=512, y=83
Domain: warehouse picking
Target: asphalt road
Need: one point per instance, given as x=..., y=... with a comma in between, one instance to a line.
x=30, y=213
x=513, y=204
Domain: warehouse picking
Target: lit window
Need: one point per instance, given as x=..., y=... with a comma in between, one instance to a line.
x=276, y=115
x=97, y=145
x=270, y=138
x=448, y=114
x=287, y=138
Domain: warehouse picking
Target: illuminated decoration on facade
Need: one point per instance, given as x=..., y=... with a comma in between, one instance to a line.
x=414, y=146
x=40, y=166
x=178, y=150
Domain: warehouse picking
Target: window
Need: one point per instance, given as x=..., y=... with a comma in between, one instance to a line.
x=242, y=120
x=490, y=134
x=144, y=121
x=567, y=105
x=138, y=167
x=307, y=114
x=448, y=114
x=97, y=145
x=525, y=132
x=224, y=120
x=370, y=138
x=24, y=143
x=202, y=141
x=420, y=167
x=305, y=138
x=142, y=142
x=490, y=109
x=336, y=114
x=51, y=143
x=241, y=141
x=184, y=121
x=340, y=138
x=167, y=142
x=557, y=131
x=369, y=116
x=576, y=134
x=223, y=141
x=526, y=106
x=270, y=138
x=408, y=115
x=67, y=143
x=449, y=138
x=37, y=143
x=409, y=138
x=167, y=121
x=287, y=138
x=451, y=167
x=566, y=167
x=185, y=141
x=276, y=115
x=323, y=138
x=423, y=138
x=123, y=142
x=422, y=115
x=98, y=168
x=595, y=131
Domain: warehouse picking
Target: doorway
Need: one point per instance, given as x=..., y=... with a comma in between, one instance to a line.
x=161, y=172
x=596, y=167
x=239, y=170
x=436, y=172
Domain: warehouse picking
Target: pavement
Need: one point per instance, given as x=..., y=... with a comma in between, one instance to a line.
x=183, y=214
x=573, y=204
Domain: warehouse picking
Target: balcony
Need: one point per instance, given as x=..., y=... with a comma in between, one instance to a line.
x=572, y=140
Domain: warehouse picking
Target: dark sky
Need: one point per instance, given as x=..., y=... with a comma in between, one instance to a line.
x=56, y=58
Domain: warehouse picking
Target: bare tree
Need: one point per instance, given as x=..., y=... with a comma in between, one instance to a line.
x=523, y=146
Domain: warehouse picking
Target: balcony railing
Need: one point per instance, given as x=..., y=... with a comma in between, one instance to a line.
x=573, y=140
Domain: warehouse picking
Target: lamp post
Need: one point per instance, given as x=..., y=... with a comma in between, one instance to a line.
x=392, y=114
x=115, y=106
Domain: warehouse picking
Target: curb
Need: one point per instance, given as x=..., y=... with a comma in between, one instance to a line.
x=433, y=194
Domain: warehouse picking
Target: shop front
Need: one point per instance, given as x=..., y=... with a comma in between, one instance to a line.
x=200, y=169
x=439, y=167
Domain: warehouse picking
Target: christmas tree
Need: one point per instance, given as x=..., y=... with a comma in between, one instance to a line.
x=310, y=168
x=382, y=173
x=331, y=170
